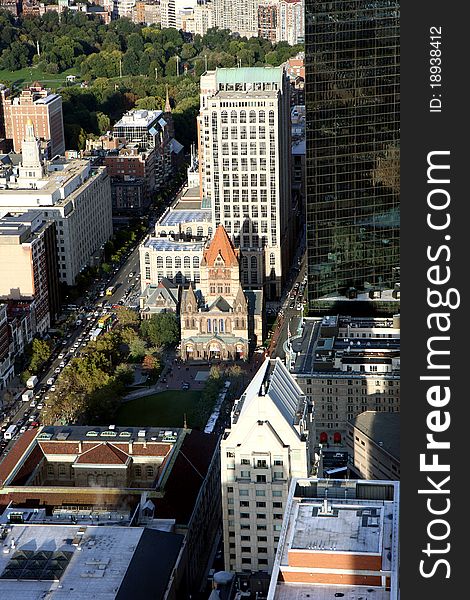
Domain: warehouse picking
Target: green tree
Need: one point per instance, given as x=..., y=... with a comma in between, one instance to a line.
x=41, y=352
x=137, y=349
x=127, y=317
x=130, y=63
x=103, y=122
x=161, y=329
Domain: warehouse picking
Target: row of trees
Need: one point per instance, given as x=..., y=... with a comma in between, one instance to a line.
x=75, y=40
x=127, y=66
x=91, y=389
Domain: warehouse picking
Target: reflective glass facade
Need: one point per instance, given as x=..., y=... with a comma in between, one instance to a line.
x=353, y=134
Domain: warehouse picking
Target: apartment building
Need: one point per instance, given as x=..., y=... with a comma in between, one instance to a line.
x=203, y=17
x=7, y=367
x=239, y=16
x=150, y=129
x=43, y=108
x=72, y=193
x=28, y=264
x=245, y=157
x=132, y=172
x=346, y=366
x=267, y=443
x=339, y=539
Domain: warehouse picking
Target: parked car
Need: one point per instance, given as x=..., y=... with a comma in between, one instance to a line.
x=57, y=370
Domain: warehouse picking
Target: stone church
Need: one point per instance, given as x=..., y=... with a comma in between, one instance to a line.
x=219, y=320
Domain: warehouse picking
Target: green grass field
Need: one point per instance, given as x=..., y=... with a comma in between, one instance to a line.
x=166, y=409
x=28, y=75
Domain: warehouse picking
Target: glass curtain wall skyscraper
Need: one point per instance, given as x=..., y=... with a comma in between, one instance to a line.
x=353, y=135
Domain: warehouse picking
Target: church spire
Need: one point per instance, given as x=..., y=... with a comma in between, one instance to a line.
x=167, y=101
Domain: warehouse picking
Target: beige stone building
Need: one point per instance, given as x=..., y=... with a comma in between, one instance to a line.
x=72, y=193
x=269, y=441
x=220, y=320
x=347, y=365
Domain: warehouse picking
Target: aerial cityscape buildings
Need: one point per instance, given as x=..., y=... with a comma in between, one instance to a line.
x=224, y=312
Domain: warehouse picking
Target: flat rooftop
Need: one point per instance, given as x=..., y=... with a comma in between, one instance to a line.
x=181, y=216
x=381, y=427
x=103, y=434
x=167, y=245
x=350, y=528
x=292, y=591
x=311, y=346
x=72, y=562
x=96, y=570
x=138, y=118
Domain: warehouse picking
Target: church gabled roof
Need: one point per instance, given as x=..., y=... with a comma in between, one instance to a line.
x=220, y=304
x=220, y=245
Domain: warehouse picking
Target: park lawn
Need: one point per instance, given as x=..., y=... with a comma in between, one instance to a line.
x=28, y=75
x=166, y=409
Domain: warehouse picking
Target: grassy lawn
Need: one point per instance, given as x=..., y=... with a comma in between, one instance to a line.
x=28, y=75
x=165, y=409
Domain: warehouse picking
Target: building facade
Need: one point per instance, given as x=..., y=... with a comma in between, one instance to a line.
x=244, y=156
x=203, y=18
x=373, y=441
x=267, y=443
x=353, y=122
x=339, y=539
x=132, y=172
x=347, y=366
x=217, y=319
x=28, y=263
x=43, y=108
x=240, y=16
x=73, y=194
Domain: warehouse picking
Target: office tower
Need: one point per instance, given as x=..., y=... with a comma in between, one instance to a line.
x=43, y=108
x=73, y=194
x=269, y=442
x=347, y=365
x=353, y=135
x=245, y=157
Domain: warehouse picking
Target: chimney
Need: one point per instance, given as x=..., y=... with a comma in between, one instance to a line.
x=130, y=446
x=80, y=446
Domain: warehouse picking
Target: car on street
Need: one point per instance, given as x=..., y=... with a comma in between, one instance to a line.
x=62, y=365
x=40, y=406
x=185, y=385
x=61, y=356
x=292, y=304
x=23, y=428
x=57, y=370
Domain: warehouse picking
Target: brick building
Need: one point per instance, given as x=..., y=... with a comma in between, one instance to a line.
x=43, y=108
x=339, y=539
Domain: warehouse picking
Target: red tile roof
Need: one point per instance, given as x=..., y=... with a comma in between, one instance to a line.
x=152, y=449
x=17, y=451
x=221, y=244
x=103, y=454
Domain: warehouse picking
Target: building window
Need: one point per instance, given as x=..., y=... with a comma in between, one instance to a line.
x=261, y=493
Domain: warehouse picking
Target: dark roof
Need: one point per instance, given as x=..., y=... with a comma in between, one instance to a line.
x=151, y=566
x=381, y=427
x=186, y=477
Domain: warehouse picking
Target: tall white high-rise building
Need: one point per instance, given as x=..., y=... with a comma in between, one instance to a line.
x=239, y=16
x=245, y=154
x=268, y=443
